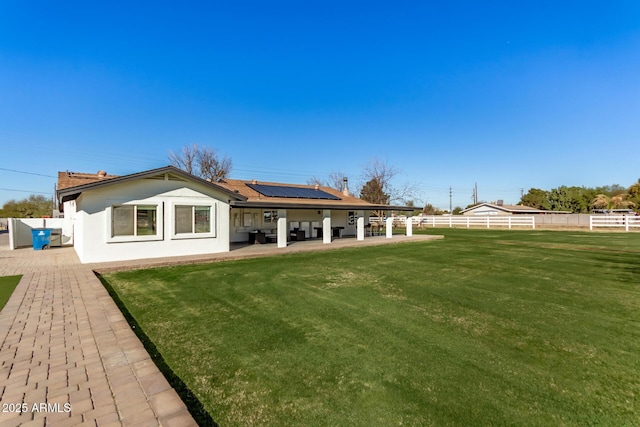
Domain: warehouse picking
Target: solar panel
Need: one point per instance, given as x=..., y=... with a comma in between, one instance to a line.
x=292, y=192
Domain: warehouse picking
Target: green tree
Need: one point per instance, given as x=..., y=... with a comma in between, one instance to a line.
x=601, y=201
x=611, y=190
x=373, y=192
x=429, y=209
x=536, y=198
x=634, y=194
x=34, y=206
x=572, y=199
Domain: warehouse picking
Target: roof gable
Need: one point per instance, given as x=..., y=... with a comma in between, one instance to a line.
x=505, y=208
x=81, y=182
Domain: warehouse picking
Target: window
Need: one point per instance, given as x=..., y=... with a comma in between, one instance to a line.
x=270, y=216
x=134, y=220
x=351, y=217
x=193, y=219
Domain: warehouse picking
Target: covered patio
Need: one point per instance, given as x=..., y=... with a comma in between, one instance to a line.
x=287, y=213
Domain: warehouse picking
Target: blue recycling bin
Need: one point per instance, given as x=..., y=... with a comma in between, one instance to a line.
x=41, y=238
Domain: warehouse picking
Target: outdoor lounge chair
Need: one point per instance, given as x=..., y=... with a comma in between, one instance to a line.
x=261, y=237
x=297, y=235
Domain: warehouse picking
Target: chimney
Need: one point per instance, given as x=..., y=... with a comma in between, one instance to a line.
x=345, y=186
x=500, y=202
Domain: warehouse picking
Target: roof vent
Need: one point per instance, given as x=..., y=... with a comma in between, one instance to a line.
x=102, y=174
x=253, y=181
x=317, y=187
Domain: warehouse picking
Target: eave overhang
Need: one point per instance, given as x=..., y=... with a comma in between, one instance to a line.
x=72, y=193
x=266, y=204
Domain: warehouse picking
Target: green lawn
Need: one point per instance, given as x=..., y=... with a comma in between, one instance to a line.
x=7, y=286
x=481, y=328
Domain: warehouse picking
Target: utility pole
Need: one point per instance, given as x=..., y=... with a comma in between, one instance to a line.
x=450, y=205
x=475, y=193
x=474, y=196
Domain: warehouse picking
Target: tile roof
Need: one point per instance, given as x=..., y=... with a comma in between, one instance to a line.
x=73, y=179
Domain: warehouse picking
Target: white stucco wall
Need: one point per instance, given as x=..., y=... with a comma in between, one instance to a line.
x=93, y=242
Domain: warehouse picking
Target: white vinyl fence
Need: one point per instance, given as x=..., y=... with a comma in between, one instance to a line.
x=628, y=222
x=488, y=221
x=20, y=230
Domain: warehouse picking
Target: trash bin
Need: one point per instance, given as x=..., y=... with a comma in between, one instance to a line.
x=41, y=238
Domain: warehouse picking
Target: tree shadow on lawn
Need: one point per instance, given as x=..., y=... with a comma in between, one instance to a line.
x=195, y=407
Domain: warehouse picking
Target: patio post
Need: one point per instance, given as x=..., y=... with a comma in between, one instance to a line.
x=360, y=225
x=409, y=225
x=282, y=228
x=326, y=226
x=389, y=226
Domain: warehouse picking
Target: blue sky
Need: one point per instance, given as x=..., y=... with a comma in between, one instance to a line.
x=511, y=95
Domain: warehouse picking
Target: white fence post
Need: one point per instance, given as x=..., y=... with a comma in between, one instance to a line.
x=11, y=223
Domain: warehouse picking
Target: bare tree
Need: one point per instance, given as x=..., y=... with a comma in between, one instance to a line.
x=186, y=159
x=202, y=161
x=335, y=180
x=314, y=180
x=377, y=175
x=212, y=166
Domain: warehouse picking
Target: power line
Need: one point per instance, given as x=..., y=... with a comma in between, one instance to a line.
x=26, y=191
x=27, y=173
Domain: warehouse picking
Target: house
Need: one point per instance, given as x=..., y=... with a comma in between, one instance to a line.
x=168, y=212
x=501, y=209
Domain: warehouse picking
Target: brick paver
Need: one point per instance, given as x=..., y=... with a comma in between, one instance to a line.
x=68, y=356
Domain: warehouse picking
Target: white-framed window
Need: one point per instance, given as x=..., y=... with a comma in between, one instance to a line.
x=193, y=220
x=130, y=222
x=270, y=217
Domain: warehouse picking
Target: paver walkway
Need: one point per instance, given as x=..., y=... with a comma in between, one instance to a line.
x=68, y=356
